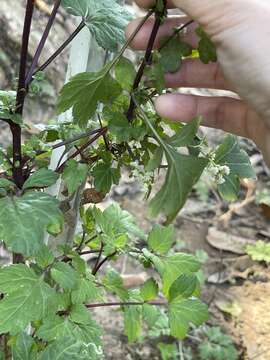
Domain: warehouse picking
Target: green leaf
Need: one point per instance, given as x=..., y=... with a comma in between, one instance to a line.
x=85, y=291
x=84, y=91
x=28, y=298
x=149, y=290
x=150, y=314
x=64, y=275
x=182, y=174
x=161, y=238
x=206, y=48
x=44, y=257
x=183, y=286
x=115, y=222
x=105, y=176
x=79, y=327
x=172, y=53
x=40, y=179
x=230, y=154
x=260, y=251
x=185, y=136
x=156, y=77
x=114, y=283
x=23, y=221
x=6, y=184
x=171, y=267
x=168, y=351
x=74, y=175
x=229, y=190
x=182, y=313
x=125, y=73
x=23, y=348
x=106, y=20
x=133, y=322
x=64, y=349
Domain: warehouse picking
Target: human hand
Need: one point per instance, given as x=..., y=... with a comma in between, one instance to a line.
x=240, y=30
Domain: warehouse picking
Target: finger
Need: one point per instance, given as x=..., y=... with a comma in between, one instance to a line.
x=194, y=74
x=222, y=113
x=148, y=3
x=165, y=30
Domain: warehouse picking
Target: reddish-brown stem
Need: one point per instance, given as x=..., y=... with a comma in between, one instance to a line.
x=42, y=42
x=103, y=262
x=146, y=61
x=21, y=92
x=61, y=48
x=83, y=147
x=96, y=266
x=130, y=303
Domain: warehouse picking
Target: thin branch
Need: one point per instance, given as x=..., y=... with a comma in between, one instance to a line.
x=21, y=93
x=42, y=42
x=61, y=48
x=95, y=268
x=146, y=61
x=175, y=33
x=98, y=267
x=130, y=303
x=82, y=148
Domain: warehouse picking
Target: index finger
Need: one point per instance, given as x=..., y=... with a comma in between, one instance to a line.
x=148, y=3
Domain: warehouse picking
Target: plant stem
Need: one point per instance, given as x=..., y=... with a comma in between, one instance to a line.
x=42, y=42
x=82, y=148
x=21, y=93
x=156, y=303
x=61, y=48
x=98, y=266
x=17, y=171
x=94, y=271
x=175, y=33
x=146, y=61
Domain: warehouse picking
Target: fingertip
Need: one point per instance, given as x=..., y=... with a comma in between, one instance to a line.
x=176, y=107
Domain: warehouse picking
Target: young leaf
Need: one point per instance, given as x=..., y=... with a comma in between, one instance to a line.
x=105, y=176
x=230, y=154
x=206, y=48
x=106, y=20
x=74, y=175
x=85, y=91
x=172, y=53
x=64, y=275
x=44, y=257
x=149, y=290
x=260, y=251
x=24, y=219
x=182, y=313
x=160, y=239
x=132, y=322
x=28, y=298
x=40, y=179
x=125, y=73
